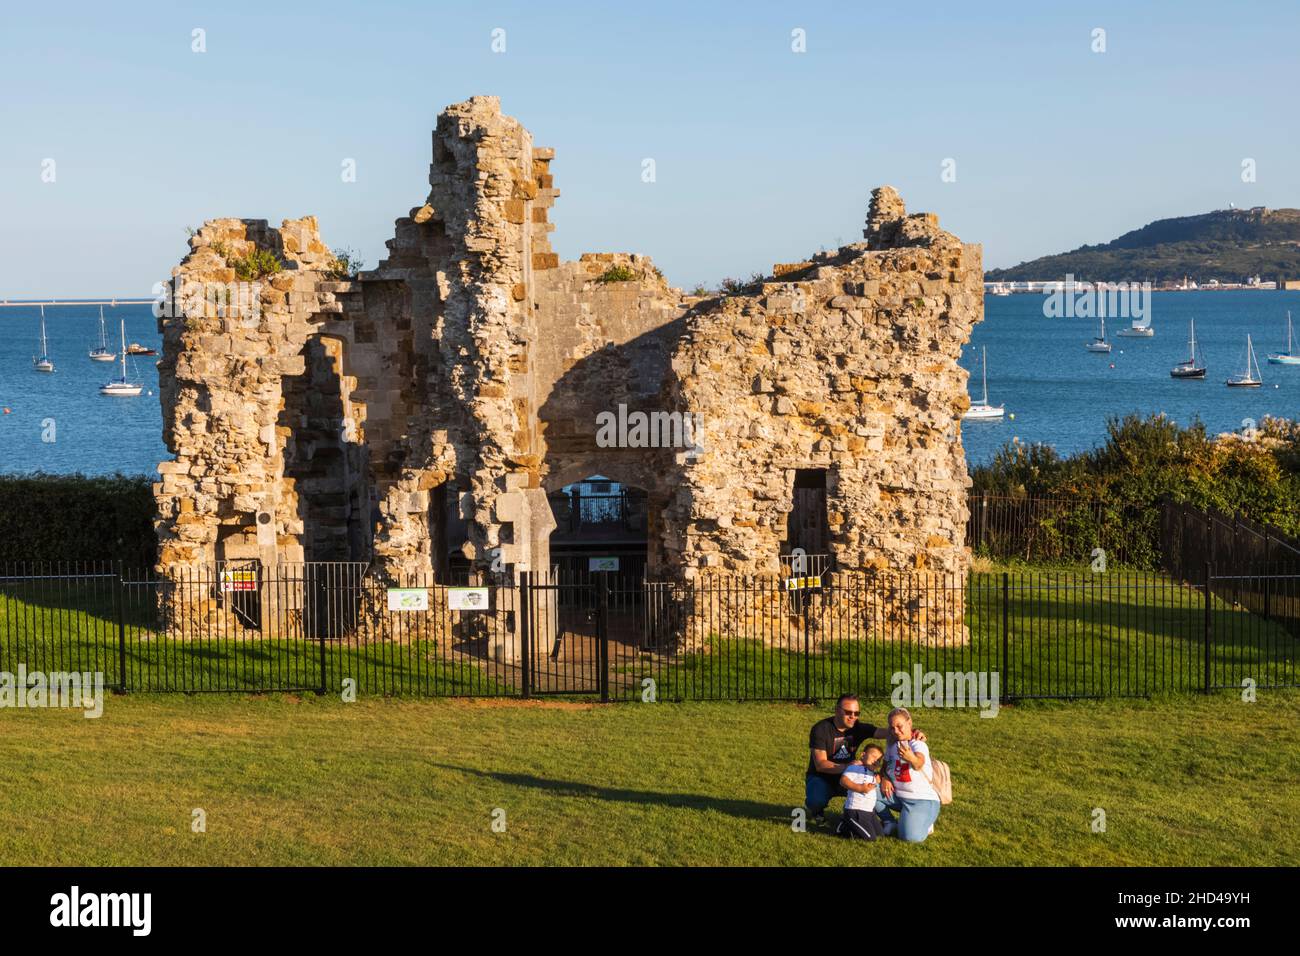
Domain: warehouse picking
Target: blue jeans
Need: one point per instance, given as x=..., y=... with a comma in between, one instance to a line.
x=915, y=817
x=818, y=792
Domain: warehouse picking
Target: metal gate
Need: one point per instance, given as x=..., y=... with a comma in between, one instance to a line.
x=565, y=635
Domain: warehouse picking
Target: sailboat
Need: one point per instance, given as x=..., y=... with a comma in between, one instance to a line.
x=43, y=363
x=1289, y=357
x=983, y=410
x=1099, y=344
x=1247, y=380
x=1189, y=369
x=121, y=387
x=101, y=352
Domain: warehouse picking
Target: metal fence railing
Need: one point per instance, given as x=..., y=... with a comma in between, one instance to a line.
x=327, y=628
x=1043, y=529
x=1192, y=540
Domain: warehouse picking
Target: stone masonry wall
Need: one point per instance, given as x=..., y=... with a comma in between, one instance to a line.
x=847, y=363
x=432, y=401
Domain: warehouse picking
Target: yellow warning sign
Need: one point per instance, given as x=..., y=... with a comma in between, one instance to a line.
x=795, y=584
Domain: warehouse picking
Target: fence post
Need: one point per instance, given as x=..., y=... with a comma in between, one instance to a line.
x=1006, y=642
x=525, y=633
x=1209, y=622
x=602, y=638
x=802, y=597
x=120, y=595
x=309, y=594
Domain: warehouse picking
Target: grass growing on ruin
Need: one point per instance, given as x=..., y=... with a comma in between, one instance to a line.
x=1199, y=781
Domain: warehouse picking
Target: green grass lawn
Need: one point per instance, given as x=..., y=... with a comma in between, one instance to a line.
x=1192, y=781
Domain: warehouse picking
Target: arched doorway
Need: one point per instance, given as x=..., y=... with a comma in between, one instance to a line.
x=601, y=525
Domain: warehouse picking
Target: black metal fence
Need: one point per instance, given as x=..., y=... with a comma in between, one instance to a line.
x=332, y=628
x=1192, y=540
x=1044, y=529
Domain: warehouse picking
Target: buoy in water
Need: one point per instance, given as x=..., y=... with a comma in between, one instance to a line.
x=1012, y=416
x=1112, y=364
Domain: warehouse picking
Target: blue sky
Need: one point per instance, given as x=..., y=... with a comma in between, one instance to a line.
x=762, y=155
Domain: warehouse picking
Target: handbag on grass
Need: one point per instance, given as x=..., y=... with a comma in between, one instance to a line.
x=941, y=780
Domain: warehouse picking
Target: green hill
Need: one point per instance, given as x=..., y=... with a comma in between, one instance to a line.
x=1229, y=245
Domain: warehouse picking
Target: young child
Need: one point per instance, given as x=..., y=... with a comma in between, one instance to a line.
x=860, y=779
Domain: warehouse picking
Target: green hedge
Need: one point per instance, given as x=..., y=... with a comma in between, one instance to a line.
x=1145, y=460
x=74, y=518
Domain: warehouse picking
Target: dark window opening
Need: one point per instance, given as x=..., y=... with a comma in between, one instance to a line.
x=438, y=532
x=806, y=525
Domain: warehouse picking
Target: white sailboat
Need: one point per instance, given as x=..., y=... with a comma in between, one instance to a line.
x=983, y=410
x=42, y=362
x=1247, y=380
x=1189, y=368
x=122, y=387
x=1289, y=357
x=1099, y=344
x=101, y=352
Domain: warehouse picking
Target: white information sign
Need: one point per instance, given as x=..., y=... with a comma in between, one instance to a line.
x=408, y=599
x=467, y=599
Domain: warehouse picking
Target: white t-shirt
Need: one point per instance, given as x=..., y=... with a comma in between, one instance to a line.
x=858, y=773
x=909, y=783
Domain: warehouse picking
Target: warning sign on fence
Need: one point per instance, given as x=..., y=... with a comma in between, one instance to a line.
x=245, y=580
x=796, y=584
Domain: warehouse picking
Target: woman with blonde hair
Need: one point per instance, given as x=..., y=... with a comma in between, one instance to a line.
x=906, y=788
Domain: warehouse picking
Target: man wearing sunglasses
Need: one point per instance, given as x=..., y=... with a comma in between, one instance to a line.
x=832, y=744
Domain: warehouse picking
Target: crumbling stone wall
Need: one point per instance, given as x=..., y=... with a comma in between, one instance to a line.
x=434, y=400
x=222, y=379
x=847, y=363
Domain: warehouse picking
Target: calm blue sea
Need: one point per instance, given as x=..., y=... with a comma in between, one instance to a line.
x=93, y=434
x=1062, y=395
x=1038, y=368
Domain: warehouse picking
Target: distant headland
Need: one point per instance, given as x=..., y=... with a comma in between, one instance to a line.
x=1227, y=247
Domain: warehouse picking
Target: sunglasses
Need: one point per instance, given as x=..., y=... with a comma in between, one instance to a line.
x=851, y=713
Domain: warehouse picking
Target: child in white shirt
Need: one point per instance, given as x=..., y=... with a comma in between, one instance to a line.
x=860, y=821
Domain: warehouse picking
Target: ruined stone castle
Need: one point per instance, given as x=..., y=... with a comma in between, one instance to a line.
x=418, y=416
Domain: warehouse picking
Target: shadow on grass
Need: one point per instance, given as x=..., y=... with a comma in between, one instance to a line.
x=744, y=809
